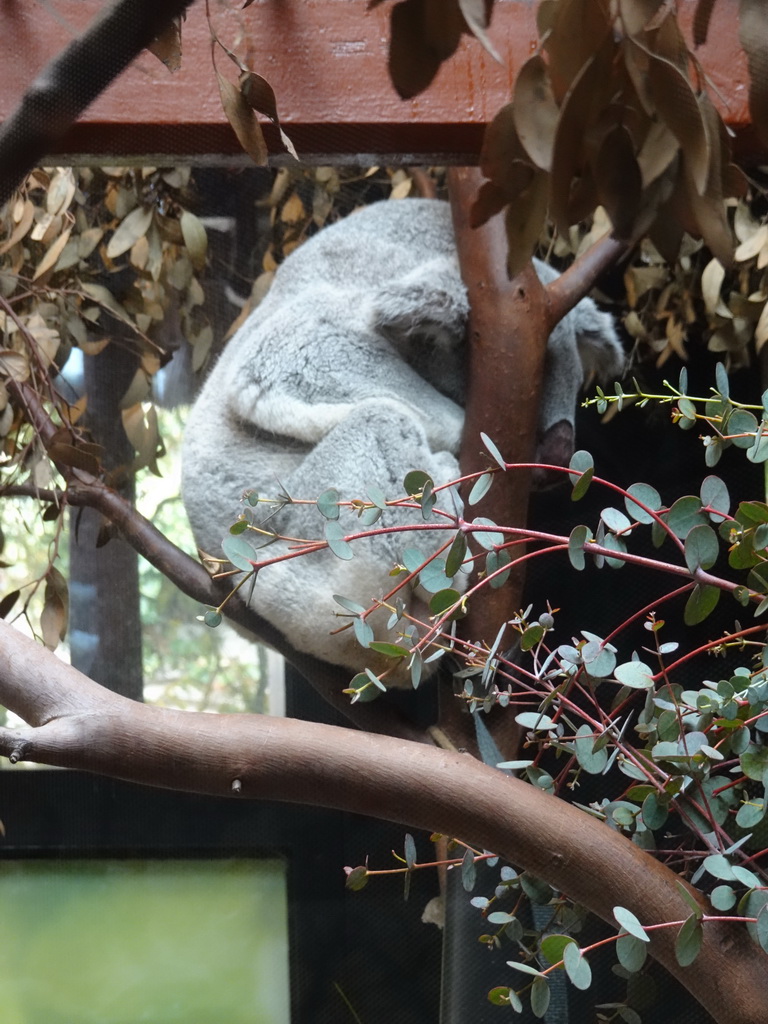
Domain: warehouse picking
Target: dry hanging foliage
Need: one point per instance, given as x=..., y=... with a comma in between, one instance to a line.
x=612, y=111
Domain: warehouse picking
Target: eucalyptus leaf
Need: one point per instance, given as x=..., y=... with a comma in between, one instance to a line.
x=700, y=604
x=578, y=538
x=582, y=469
x=540, y=995
x=334, y=534
x=480, y=488
x=630, y=923
x=240, y=552
x=493, y=450
x=701, y=548
x=631, y=952
x=688, y=942
x=328, y=503
x=576, y=967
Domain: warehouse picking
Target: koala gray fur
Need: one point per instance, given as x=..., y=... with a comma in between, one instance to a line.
x=349, y=374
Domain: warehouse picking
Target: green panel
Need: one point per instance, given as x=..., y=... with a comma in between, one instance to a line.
x=161, y=941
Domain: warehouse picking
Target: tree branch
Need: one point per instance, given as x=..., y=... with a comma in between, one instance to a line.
x=74, y=79
x=508, y=331
x=87, y=491
x=574, y=283
x=75, y=723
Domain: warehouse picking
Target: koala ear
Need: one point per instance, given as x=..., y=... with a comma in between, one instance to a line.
x=430, y=300
x=600, y=350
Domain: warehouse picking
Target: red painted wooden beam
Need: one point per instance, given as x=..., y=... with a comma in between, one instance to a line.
x=327, y=62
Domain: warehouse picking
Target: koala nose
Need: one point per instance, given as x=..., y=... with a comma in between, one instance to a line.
x=555, y=448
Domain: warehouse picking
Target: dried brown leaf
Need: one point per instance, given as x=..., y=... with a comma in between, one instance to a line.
x=658, y=151
x=489, y=201
x=477, y=16
x=501, y=146
x=761, y=328
x=712, y=278
x=618, y=181
x=55, y=613
x=577, y=32
x=141, y=429
x=64, y=454
x=14, y=365
x=195, y=238
x=61, y=191
x=751, y=246
x=48, y=262
x=46, y=339
x=138, y=390
x=753, y=33
x=241, y=116
x=571, y=181
x=677, y=104
x=524, y=221
x=637, y=15
x=261, y=96
x=167, y=46
x=535, y=112
x=129, y=231
x=21, y=227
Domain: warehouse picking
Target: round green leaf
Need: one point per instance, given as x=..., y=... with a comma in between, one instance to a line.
x=635, y=674
x=553, y=946
x=480, y=488
x=688, y=942
x=388, y=650
x=723, y=897
x=593, y=762
x=443, y=600
x=495, y=561
x=578, y=538
x=655, y=813
x=328, y=503
x=631, y=952
x=456, y=554
x=630, y=923
x=239, y=551
x=741, y=428
x=684, y=515
x=363, y=632
x=539, y=997
x=576, y=967
x=700, y=604
x=488, y=539
x=615, y=520
x=415, y=482
x=493, y=450
x=334, y=534
x=646, y=495
x=701, y=548
x=533, y=720
x=582, y=469
x=714, y=494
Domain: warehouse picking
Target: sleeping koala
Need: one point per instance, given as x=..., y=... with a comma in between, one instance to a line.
x=349, y=374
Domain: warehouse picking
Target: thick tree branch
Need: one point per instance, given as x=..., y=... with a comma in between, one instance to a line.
x=508, y=330
x=74, y=79
x=77, y=724
x=87, y=491
x=577, y=281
